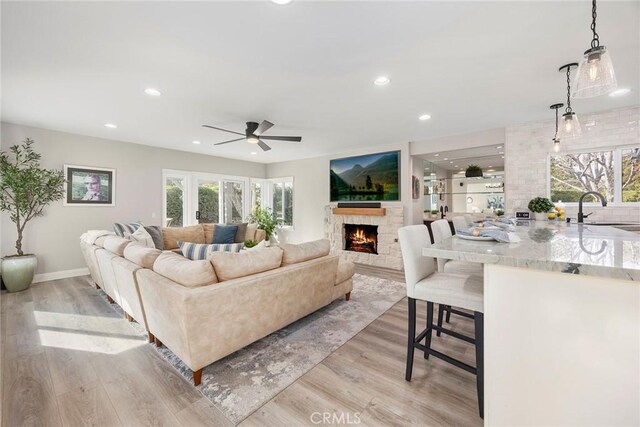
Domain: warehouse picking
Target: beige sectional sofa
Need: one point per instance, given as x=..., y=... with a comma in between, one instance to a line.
x=205, y=310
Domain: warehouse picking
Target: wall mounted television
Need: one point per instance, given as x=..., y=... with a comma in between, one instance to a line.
x=371, y=177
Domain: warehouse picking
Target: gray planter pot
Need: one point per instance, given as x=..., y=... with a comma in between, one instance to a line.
x=18, y=272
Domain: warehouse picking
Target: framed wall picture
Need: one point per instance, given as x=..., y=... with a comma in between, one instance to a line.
x=89, y=186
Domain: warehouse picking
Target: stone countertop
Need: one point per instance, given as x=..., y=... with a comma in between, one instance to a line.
x=602, y=251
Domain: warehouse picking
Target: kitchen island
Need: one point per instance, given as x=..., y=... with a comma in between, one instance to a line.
x=561, y=324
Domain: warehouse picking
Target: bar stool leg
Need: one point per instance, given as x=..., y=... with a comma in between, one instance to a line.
x=411, y=334
x=448, y=314
x=479, y=323
x=440, y=315
x=429, y=328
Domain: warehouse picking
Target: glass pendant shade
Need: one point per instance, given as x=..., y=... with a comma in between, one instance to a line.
x=569, y=127
x=556, y=145
x=595, y=75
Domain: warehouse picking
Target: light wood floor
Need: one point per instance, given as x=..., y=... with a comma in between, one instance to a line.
x=68, y=359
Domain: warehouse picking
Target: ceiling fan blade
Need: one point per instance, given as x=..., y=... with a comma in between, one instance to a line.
x=226, y=142
x=264, y=146
x=283, y=138
x=225, y=130
x=264, y=126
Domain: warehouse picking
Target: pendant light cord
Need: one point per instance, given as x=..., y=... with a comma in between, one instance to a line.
x=595, y=42
x=568, y=109
x=556, y=135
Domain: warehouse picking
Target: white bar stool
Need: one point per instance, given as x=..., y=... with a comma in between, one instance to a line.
x=426, y=284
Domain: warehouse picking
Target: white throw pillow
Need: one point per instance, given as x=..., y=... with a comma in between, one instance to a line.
x=261, y=245
x=141, y=236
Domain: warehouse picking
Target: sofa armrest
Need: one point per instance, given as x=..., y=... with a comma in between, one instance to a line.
x=346, y=270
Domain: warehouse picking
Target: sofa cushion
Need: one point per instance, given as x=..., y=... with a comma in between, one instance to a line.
x=116, y=244
x=141, y=255
x=184, y=271
x=251, y=232
x=233, y=265
x=156, y=234
x=171, y=235
x=120, y=228
x=208, y=232
x=197, y=251
x=225, y=233
x=294, y=254
x=141, y=236
x=242, y=231
x=346, y=269
x=100, y=240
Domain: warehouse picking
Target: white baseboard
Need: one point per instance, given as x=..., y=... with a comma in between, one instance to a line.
x=45, y=277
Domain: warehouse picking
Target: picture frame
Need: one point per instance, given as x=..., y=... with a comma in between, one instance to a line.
x=89, y=186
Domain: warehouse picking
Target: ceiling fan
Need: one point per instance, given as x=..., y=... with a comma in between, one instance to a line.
x=254, y=135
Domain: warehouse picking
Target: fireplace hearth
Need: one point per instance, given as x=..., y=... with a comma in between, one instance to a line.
x=361, y=238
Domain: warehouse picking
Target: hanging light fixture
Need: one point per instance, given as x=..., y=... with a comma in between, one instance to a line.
x=595, y=74
x=570, y=126
x=555, y=139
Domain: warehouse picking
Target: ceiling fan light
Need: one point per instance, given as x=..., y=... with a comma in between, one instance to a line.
x=252, y=139
x=595, y=75
x=569, y=127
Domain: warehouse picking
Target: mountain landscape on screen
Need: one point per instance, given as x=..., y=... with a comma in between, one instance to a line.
x=366, y=178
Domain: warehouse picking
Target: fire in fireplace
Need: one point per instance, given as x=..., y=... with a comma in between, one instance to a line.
x=361, y=238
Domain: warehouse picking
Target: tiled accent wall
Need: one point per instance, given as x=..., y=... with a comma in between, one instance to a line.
x=528, y=146
x=389, y=254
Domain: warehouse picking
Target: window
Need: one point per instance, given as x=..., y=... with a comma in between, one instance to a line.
x=196, y=198
x=613, y=173
x=276, y=194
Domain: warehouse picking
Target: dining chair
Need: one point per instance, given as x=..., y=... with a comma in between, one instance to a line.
x=460, y=223
x=441, y=231
x=425, y=283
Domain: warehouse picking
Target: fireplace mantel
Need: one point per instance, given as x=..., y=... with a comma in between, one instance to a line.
x=360, y=211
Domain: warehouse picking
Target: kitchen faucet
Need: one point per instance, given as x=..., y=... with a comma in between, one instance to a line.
x=581, y=216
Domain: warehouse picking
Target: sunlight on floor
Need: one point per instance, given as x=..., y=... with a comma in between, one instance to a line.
x=86, y=333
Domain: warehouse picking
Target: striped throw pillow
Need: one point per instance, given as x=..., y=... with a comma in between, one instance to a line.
x=120, y=228
x=200, y=251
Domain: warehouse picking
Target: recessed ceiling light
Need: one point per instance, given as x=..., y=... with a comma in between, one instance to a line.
x=152, y=92
x=503, y=157
x=620, y=92
x=436, y=155
x=110, y=125
x=253, y=153
x=490, y=166
x=195, y=142
x=501, y=152
x=499, y=147
x=381, y=81
x=451, y=162
x=456, y=166
x=424, y=117
x=446, y=158
x=281, y=2
x=491, y=170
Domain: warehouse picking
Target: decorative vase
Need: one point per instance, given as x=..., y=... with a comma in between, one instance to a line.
x=18, y=272
x=540, y=216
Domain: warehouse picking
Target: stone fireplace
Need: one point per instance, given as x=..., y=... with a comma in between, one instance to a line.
x=361, y=238
x=359, y=248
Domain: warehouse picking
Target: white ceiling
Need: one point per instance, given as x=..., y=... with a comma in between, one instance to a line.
x=308, y=67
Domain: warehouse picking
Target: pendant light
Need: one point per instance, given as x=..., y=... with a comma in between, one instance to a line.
x=570, y=126
x=555, y=139
x=595, y=74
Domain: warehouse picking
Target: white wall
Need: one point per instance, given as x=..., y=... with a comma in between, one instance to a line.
x=311, y=189
x=55, y=236
x=528, y=146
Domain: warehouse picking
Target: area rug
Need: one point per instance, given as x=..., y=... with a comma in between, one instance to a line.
x=247, y=379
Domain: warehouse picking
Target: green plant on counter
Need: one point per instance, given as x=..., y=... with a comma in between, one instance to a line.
x=540, y=205
x=266, y=220
x=499, y=212
x=435, y=211
x=250, y=243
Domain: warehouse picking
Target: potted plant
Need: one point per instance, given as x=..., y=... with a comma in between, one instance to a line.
x=435, y=213
x=540, y=206
x=25, y=190
x=473, y=171
x=266, y=220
